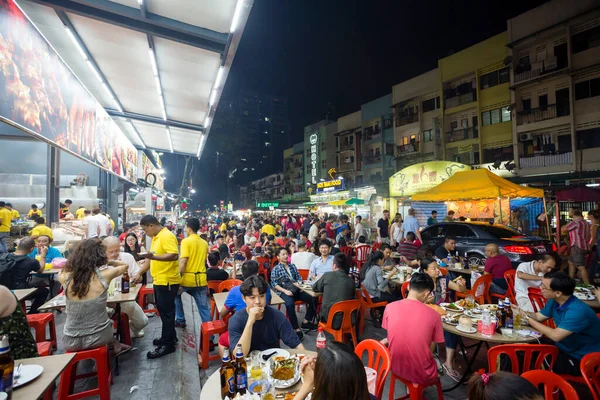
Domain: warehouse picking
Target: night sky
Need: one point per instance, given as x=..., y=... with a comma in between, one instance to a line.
x=347, y=53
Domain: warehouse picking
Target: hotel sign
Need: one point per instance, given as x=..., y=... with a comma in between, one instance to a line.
x=267, y=204
x=314, y=157
x=330, y=186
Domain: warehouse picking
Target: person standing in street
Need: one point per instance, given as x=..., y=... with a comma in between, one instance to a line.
x=579, y=238
x=192, y=267
x=163, y=265
x=383, y=226
x=5, y=225
x=313, y=232
x=91, y=225
x=411, y=224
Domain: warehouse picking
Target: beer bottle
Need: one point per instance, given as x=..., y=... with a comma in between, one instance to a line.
x=228, y=386
x=125, y=282
x=500, y=315
x=7, y=365
x=508, y=319
x=241, y=376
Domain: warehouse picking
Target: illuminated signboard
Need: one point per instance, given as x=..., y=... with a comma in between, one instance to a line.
x=330, y=186
x=423, y=176
x=314, y=157
x=267, y=204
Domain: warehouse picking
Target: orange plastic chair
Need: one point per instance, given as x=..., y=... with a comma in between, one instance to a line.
x=261, y=267
x=528, y=351
x=538, y=301
x=379, y=360
x=348, y=251
x=443, y=271
x=551, y=382
x=414, y=390
x=404, y=289
x=213, y=287
x=362, y=253
x=228, y=284
x=367, y=304
x=304, y=273
x=509, y=277
x=590, y=369
x=480, y=290
x=376, y=246
x=350, y=310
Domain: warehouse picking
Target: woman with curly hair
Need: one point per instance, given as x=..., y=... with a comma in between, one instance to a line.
x=86, y=289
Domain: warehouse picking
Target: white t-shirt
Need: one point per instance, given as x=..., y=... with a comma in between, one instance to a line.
x=521, y=285
x=302, y=260
x=92, y=226
x=133, y=268
x=359, y=230
x=103, y=223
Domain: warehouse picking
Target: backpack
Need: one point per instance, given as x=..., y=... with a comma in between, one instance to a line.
x=7, y=262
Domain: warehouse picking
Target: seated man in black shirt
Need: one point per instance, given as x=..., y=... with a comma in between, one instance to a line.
x=258, y=326
x=214, y=273
x=448, y=253
x=22, y=269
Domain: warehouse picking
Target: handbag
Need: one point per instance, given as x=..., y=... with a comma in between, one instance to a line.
x=287, y=283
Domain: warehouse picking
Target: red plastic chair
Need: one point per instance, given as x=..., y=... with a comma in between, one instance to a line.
x=404, y=289
x=39, y=322
x=480, y=290
x=414, y=390
x=538, y=301
x=261, y=267
x=590, y=369
x=348, y=251
x=362, y=254
x=443, y=271
x=379, y=360
x=69, y=375
x=376, y=246
x=213, y=287
x=228, y=284
x=142, y=294
x=551, y=382
x=367, y=304
x=304, y=273
x=44, y=349
x=207, y=329
x=509, y=277
x=350, y=310
x=528, y=351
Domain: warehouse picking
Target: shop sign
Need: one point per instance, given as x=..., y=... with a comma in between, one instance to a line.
x=421, y=177
x=327, y=197
x=267, y=204
x=504, y=169
x=314, y=157
x=330, y=186
x=464, y=149
x=41, y=96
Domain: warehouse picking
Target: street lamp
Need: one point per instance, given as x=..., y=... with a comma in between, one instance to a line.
x=192, y=191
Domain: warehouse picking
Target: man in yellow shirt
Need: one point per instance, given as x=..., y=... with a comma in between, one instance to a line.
x=269, y=229
x=15, y=213
x=34, y=212
x=163, y=265
x=192, y=267
x=5, y=224
x=80, y=213
x=41, y=229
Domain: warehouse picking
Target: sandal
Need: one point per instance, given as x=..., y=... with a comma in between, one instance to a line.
x=123, y=351
x=452, y=373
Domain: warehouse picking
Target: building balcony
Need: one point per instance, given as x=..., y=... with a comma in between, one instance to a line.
x=536, y=114
x=406, y=119
x=461, y=134
x=346, y=147
x=375, y=159
x=373, y=138
x=525, y=72
x=407, y=149
x=546, y=160
x=459, y=100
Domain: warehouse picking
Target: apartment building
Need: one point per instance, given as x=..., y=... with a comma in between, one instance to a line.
x=474, y=87
x=378, y=155
x=293, y=170
x=555, y=90
x=417, y=120
x=349, y=149
x=319, y=151
x=269, y=188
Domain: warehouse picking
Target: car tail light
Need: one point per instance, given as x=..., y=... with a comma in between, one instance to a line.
x=554, y=247
x=518, y=249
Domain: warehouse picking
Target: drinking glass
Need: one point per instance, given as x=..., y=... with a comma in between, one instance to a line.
x=255, y=365
x=470, y=302
x=517, y=320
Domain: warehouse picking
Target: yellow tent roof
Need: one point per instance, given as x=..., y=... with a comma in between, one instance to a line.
x=476, y=184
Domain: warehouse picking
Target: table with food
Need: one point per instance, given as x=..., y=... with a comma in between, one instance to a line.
x=267, y=375
x=485, y=323
x=585, y=293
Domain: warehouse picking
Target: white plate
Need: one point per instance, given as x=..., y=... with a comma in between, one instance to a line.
x=28, y=373
x=584, y=296
x=445, y=307
x=279, y=352
x=474, y=316
x=472, y=330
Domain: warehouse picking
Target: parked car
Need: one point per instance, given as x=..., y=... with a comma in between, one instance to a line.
x=472, y=237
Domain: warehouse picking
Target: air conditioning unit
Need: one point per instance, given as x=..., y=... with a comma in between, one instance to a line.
x=524, y=137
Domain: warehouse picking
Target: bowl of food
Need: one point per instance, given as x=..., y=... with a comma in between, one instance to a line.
x=285, y=371
x=465, y=324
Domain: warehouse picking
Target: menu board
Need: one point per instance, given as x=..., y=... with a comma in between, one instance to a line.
x=146, y=166
x=41, y=94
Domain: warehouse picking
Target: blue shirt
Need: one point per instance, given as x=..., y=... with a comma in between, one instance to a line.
x=577, y=317
x=318, y=267
x=266, y=332
x=50, y=255
x=235, y=301
x=410, y=224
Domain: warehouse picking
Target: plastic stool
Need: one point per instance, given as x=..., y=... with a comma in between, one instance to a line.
x=69, y=376
x=44, y=348
x=38, y=322
x=126, y=333
x=146, y=291
x=207, y=330
x=415, y=391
